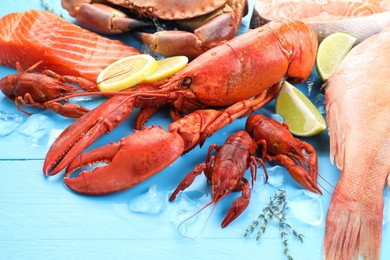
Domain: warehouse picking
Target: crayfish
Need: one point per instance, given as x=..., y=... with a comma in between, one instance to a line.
x=225, y=171
x=297, y=156
x=226, y=82
x=39, y=90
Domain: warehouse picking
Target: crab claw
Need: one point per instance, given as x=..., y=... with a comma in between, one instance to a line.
x=86, y=130
x=129, y=162
x=104, y=19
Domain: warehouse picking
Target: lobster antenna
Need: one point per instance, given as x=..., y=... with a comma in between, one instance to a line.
x=193, y=215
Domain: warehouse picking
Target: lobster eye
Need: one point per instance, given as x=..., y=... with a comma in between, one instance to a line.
x=186, y=81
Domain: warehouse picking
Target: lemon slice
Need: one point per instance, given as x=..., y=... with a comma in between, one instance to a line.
x=126, y=72
x=300, y=114
x=168, y=67
x=331, y=52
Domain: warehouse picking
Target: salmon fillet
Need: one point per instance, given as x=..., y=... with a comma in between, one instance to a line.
x=64, y=47
x=358, y=116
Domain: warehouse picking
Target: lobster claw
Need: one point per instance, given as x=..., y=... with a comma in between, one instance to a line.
x=86, y=130
x=130, y=161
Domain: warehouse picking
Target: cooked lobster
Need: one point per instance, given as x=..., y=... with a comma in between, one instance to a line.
x=239, y=76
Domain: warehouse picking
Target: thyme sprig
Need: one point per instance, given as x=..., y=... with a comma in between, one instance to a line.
x=275, y=209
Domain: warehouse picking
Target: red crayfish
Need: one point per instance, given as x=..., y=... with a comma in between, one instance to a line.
x=35, y=89
x=237, y=77
x=225, y=171
x=297, y=156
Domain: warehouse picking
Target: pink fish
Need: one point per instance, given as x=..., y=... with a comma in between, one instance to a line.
x=358, y=117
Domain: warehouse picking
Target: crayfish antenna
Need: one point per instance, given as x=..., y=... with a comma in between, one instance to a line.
x=196, y=213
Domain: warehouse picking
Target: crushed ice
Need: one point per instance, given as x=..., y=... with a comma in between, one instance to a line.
x=9, y=122
x=152, y=202
x=306, y=206
x=36, y=127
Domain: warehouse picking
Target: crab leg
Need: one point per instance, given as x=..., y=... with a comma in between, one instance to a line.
x=101, y=18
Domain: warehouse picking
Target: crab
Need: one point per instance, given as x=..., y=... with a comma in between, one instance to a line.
x=203, y=24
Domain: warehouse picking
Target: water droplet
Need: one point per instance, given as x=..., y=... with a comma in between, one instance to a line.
x=152, y=202
x=8, y=122
x=36, y=128
x=307, y=207
x=319, y=102
x=311, y=82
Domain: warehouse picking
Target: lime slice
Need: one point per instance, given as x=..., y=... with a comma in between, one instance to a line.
x=332, y=51
x=168, y=67
x=126, y=72
x=300, y=114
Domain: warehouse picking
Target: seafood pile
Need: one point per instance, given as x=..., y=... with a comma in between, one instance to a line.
x=229, y=77
x=361, y=18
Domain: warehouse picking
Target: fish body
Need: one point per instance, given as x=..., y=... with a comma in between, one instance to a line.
x=67, y=49
x=359, y=18
x=358, y=117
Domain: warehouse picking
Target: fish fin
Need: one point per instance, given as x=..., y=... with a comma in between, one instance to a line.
x=353, y=229
x=336, y=135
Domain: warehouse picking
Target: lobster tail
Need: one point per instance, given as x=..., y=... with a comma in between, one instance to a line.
x=301, y=50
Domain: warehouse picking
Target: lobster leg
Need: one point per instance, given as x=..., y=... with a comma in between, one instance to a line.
x=134, y=159
x=299, y=173
x=240, y=109
x=239, y=205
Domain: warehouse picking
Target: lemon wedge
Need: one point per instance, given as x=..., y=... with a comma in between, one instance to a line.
x=126, y=72
x=331, y=52
x=300, y=114
x=168, y=67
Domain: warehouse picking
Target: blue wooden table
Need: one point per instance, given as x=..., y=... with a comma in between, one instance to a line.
x=40, y=218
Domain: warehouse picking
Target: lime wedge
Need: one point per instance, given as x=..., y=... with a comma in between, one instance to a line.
x=168, y=67
x=126, y=72
x=331, y=52
x=300, y=114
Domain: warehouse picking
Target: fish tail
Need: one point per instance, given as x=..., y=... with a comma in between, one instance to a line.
x=353, y=229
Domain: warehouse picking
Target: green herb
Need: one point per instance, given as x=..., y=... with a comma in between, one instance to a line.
x=276, y=209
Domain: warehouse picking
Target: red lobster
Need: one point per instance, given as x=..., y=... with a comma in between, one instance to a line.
x=225, y=171
x=241, y=75
x=298, y=157
x=34, y=89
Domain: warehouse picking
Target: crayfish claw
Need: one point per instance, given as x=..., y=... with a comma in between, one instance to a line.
x=238, y=206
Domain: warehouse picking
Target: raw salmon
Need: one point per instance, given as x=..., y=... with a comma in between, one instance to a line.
x=361, y=18
x=358, y=117
x=63, y=47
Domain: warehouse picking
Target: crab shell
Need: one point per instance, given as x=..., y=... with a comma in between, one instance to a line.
x=171, y=9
